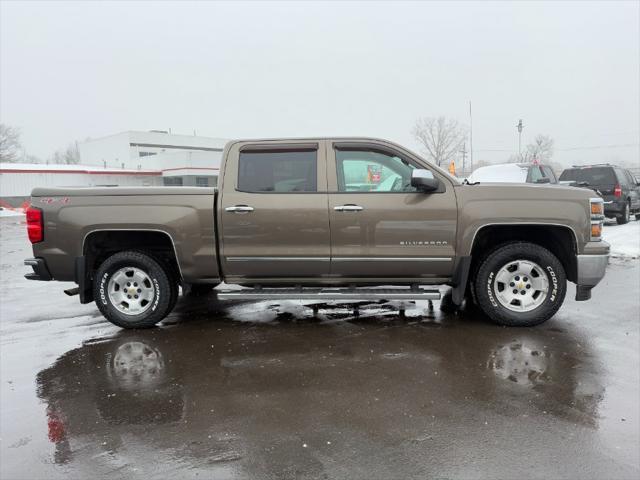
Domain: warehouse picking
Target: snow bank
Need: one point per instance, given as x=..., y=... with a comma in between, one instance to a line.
x=10, y=213
x=624, y=239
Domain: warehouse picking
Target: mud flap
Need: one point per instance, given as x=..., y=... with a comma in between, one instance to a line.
x=460, y=278
x=583, y=292
x=83, y=280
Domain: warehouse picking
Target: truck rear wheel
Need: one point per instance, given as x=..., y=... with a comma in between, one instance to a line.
x=134, y=290
x=520, y=284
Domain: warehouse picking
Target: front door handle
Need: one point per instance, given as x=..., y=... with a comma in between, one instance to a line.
x=239, y=209
x=348, y=208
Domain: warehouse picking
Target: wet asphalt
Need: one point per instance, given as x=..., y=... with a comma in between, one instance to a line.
x=267, y=390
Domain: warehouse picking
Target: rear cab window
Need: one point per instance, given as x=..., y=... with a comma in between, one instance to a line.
x=590, y=175
x=278, y=171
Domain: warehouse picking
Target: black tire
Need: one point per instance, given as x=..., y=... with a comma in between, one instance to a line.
x=174, y=278
x=624, y=218
x=485, y=285
x=165, y=289
x=446, y=303
x=638, y=216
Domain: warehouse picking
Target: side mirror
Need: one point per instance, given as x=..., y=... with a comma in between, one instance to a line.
x=543, y=180
x=424, y=180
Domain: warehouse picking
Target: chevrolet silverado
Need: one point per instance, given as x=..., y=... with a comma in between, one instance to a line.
x=321, y=218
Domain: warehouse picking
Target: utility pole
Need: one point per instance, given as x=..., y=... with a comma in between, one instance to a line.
x=464, y=158
x=520, y=127
x=470, y=139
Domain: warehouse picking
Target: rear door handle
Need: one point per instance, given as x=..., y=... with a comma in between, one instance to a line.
x=348, y=208
x=239, y=209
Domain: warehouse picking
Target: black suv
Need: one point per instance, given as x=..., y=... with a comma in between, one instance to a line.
x=617, y=186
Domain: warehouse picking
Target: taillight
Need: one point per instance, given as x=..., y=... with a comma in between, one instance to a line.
x=617, y=192
x=35, y=227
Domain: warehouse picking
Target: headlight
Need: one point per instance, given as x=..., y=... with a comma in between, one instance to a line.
x=597, y=218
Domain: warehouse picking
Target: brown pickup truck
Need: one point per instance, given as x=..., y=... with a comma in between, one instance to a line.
x=330, y=219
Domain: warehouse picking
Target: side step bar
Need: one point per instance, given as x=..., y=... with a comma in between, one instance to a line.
x=329, y=294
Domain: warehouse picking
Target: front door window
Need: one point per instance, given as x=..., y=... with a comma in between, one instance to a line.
x=372, y=171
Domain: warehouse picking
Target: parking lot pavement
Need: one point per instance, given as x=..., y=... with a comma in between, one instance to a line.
x=264, y=390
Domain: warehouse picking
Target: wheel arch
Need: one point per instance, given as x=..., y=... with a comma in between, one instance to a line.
x=561, y=240
x=99, y=244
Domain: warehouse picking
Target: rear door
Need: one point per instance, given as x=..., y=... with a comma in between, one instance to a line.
x=273, y=211
x=381, y=227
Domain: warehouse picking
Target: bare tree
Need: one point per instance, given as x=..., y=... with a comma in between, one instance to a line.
x=10, y=145
x=541, y=150
x=69, y=155
x=441, y=138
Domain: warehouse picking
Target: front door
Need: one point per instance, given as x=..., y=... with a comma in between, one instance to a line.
x=273, y=212
x=381, y=227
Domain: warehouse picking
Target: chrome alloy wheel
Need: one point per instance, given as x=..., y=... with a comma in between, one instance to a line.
x=131, y=291
x=521, y=286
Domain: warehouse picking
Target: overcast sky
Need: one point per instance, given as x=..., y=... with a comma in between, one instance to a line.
x=570, y=70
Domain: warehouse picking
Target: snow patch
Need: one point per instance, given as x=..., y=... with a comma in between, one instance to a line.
x=10, y=213
x=624, y=239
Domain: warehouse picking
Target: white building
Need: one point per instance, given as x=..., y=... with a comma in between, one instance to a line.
x=182, y=159
x=18, y=179
x=125, y=159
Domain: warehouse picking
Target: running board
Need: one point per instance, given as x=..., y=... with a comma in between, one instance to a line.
x=329, y=294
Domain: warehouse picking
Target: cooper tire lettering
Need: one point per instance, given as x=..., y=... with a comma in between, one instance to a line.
x=486, y=290
x=103, y=281
x=163, y=282
x=554, y=280
x=490, y=291
x=157, y=299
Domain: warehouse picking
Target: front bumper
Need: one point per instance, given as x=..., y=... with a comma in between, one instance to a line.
x=591, y=269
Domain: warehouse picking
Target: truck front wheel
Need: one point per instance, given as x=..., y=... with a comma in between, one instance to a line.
x=520, y=284
x=134, y=290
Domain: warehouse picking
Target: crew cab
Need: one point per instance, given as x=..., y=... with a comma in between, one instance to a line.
x=321, y=218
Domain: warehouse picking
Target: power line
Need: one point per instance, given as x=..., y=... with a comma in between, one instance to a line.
x=594, y=147
x=591, y=147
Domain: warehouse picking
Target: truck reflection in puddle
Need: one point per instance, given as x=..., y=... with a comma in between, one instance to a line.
x=252, y=393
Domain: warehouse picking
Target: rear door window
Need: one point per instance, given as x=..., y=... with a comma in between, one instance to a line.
x=622, y=177
x=278, y=171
